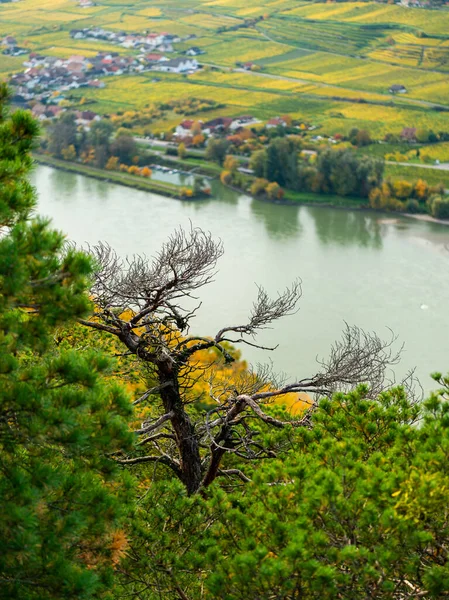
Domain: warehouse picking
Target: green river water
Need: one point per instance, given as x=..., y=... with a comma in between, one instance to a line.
x=373, y=270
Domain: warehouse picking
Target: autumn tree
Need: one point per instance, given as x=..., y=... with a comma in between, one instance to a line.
x=124, y=146
x=216, y=150
x=273, y=190
x=182, y=151
x=198, y=140
x=62, y=134
x=69, y=153
x=143, y=304
x=63, y=499
x=112, y=164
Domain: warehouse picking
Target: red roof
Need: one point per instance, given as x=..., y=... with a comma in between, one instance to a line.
x=153, y=56
x=187, y=124
x=276, y=121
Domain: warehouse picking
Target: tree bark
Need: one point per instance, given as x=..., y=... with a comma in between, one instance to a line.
x=186, y=440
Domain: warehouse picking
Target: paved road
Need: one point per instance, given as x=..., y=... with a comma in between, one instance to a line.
x=440, y=167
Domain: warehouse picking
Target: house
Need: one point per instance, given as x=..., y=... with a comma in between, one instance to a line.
x=408, y=134
x=77, y=34
x=194, y=51
x=75, y=67
x=178, y=65
x=154, y=39
x=275, y=122
x=238, y=122
x=52, y=112
x=77, y=58
x=9, y=41
x=86, y=118
x=218, y=124
x=155, y=58
x=38, y=111
x=96, y=83
x=248, y=66
x=183, y=129
x=398, y=88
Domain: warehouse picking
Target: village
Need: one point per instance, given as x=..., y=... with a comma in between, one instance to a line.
x=48, y=79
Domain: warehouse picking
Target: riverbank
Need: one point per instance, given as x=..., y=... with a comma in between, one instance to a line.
x=139, y=183
x=172, y=190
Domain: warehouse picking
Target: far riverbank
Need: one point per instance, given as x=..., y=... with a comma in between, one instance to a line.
x=173, y=190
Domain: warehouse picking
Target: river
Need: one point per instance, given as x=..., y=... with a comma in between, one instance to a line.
x=368, y=269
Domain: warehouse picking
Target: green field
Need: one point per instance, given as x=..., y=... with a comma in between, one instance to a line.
x=329, y=64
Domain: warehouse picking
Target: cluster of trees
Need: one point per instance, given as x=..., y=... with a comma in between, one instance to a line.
x=402, y=195
x=64, y=502
x=98, y=147
x=201, y=484
x=331, y=171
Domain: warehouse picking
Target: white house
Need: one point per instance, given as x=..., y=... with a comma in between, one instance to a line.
x=178, y=65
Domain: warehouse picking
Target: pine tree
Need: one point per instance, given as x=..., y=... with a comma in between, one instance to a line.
x=62, y=499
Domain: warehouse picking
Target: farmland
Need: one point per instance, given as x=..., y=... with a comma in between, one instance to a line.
x=329, y=64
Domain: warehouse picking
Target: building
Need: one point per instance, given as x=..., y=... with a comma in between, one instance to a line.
x=398, y=88
x=194, y=51
x=218, y=124
x=275, y=122
x=178, y=65
x=408, y=134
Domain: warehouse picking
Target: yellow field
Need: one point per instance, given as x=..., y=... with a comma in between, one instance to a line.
x=432, y=22
x=313, y=52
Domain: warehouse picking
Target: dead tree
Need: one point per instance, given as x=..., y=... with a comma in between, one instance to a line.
x=140, y=301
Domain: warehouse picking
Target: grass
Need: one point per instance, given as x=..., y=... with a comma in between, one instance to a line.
x=413, y=172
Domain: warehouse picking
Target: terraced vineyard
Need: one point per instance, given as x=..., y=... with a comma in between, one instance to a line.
x=329, y=64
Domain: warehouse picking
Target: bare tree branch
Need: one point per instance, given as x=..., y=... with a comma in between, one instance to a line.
x=155, y=424
x=235, y=472
x=140, y=301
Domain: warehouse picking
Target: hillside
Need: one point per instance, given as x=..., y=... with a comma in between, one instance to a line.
x=318, y=62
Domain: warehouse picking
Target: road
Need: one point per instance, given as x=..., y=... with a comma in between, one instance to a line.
x=440, y=167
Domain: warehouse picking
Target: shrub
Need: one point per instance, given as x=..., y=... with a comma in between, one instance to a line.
x=112, y=164
x=412, y=206
x=439, y=207
x=258, y=186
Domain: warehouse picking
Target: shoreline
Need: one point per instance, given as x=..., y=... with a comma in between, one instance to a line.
x=145, y=185
x=427, y=218
x=171, y=191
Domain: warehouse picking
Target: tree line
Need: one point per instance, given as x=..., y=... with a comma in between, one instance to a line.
x=67, y=140
x=341, y=172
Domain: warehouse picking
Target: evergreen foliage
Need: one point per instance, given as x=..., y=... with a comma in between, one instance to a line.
x=63, y=500
x=355, y=508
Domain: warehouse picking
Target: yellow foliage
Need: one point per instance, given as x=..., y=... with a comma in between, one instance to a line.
x=421, y=189
x=112, y=164
x=69, y=153
x=198, y=139
x=146, y=172
x=186, y=192
x=230, y=164
x=402, y=189
x=226, y=177
x=119, y=544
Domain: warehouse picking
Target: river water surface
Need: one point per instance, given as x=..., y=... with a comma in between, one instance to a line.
x=364, y=268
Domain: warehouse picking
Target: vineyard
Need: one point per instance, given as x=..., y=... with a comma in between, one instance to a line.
x=331, y=64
